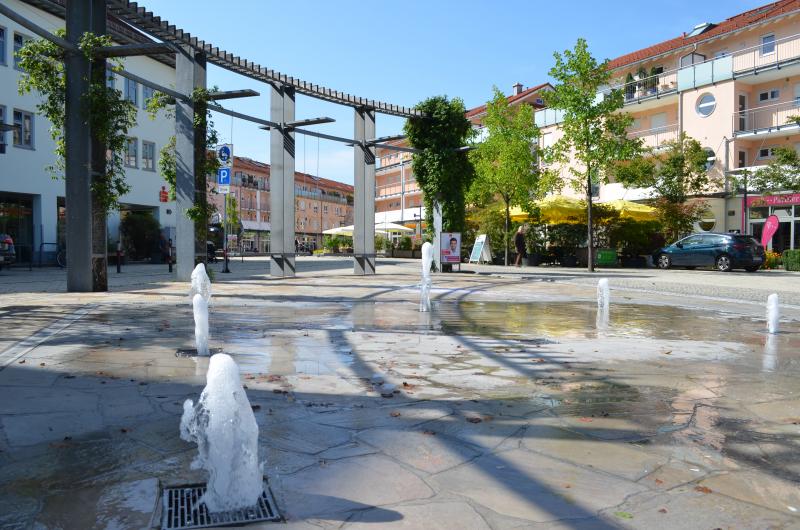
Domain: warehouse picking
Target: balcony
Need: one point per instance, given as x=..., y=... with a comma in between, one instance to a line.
x=766, y=120
x=755, y=59
x=655, y=138
x=647, y=88
x=327, y=197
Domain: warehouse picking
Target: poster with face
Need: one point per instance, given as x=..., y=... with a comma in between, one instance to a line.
x=451, y=247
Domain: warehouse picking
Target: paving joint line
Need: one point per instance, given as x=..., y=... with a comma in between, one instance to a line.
x=26, y=345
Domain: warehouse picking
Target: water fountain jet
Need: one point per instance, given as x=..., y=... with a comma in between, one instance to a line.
x=224, y=428
x=425, y=286
x=200, y=292
x=603, y=301
x=773, y=313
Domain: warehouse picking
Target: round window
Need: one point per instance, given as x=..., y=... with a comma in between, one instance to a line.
x=706, y=105
x=707, y=221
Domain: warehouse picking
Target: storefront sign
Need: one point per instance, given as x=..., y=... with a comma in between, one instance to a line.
x=773, y=200
x=770, y=227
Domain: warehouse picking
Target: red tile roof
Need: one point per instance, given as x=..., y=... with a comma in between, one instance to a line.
x=737, y=22
x=511, y=99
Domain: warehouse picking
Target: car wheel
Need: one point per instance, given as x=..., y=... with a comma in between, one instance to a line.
x=664, y=262
x=752, y=269
x=724, y=263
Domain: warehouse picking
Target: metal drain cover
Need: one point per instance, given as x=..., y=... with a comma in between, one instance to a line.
x=182, y=509
x=192, y=352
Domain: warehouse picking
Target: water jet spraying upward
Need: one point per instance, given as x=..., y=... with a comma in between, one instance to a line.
x=603, y=301
x=201, y=295
x=425, y=286
x=773, y=313
x=224, y=428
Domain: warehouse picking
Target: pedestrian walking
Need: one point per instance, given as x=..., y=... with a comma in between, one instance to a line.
x=519, y=243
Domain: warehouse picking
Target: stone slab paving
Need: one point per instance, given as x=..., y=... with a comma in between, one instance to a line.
x=508, y=406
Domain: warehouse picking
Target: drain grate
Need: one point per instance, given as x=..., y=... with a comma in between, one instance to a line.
x=182, y=509
x=192, y=352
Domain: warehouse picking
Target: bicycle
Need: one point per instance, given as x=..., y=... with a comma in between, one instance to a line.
x=61, y=257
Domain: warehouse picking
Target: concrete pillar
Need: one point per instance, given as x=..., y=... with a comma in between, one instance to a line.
x=364, y=200
x=281, y=156
x=190, y=72
x=98, y=162
x=77, y=156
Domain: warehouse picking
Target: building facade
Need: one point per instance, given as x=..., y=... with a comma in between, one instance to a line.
x=398, y=197
x=32, y=202
x=730, y=85
x=320, y=204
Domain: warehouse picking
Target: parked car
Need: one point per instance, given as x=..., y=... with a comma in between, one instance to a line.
x=724, y=252
x=8, y=255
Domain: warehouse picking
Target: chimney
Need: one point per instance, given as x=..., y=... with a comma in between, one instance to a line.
x=516, y=89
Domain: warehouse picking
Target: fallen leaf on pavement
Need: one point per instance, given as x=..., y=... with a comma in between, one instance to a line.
x=702, y=489
x=662, y=510
x=394, y=414
x=474, y=420
x=624, y=515
x=659, y=481
x=585, y=420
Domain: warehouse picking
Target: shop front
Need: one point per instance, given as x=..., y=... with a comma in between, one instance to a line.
x=786, y=207
x=16, y=220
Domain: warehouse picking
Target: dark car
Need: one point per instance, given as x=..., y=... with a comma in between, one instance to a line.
x=724, y=252
x=8, y=255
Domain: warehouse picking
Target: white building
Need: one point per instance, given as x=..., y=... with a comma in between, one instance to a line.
x=32, y=205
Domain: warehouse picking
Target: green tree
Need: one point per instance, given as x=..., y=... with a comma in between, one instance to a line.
x=441, y=168
x=781, y=174
x=594, y=129
x=675, y=173
x=506, y=161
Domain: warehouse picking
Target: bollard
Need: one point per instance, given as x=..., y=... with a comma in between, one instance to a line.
x=119, y=257
x=225, y=268
x=169, y=255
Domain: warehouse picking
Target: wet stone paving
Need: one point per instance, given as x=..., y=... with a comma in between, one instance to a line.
x=511, y=405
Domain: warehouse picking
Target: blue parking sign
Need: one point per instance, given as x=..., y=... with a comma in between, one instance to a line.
x=224, y=176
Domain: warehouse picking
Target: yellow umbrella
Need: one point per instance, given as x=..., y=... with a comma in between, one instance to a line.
x=633, y=210
x=554, y=209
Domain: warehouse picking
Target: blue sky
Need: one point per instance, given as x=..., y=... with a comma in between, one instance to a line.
x=405, y=51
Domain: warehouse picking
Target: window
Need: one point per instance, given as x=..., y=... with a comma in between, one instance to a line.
x=711, y=158
x=3, y=46
x=706, y=105
x=19, y=42
x=742, y=159
x=769, y=95
x=131, y=91
x=131, y=154
x=766, y=152
x=324, y=208
x=23, y=133
x=110, y=83
x=148, y=156
x=767, y=44
x=147, y=93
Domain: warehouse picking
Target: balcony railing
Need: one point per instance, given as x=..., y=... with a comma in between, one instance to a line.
x=754, y=58
x=653, y=86
x=657, y=136
x=768, y=117
x=327, y=197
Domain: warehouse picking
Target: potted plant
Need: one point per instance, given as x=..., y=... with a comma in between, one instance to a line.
x=642, y=82
x=630, y=87
x=404, y=248
x=535, y=243
x=652, y=81
x=565, y=239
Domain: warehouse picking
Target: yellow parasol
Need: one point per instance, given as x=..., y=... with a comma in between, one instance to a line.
x=633, y=210
x=553, y=210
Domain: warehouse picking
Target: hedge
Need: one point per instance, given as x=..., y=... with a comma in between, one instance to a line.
x=791, y=260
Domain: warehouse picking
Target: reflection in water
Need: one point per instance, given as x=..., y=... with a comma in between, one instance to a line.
x=770, y=360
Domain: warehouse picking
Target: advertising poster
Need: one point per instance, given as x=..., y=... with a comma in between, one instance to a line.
x=451, y=247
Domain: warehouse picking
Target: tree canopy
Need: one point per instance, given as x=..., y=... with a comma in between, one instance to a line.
x=444, y=172
x=506, y=161
x=594, y=130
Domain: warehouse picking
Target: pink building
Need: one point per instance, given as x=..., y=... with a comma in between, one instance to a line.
x=731, y=85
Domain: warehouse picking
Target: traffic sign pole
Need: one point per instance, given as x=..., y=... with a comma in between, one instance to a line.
x=225, y=157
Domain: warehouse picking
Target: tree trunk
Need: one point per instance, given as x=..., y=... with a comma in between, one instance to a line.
x=507, y=220
x=98, y=162
x=589, y=249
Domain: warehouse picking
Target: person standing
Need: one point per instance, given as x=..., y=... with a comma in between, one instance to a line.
x=519, y=243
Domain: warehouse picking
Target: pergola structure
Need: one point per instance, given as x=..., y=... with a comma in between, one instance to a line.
x=191, y=55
